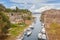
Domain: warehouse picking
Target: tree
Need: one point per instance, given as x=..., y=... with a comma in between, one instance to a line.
x=26, y=14
x=17, y=9
x=4, y=25
x=8, y=10
x=2, y=8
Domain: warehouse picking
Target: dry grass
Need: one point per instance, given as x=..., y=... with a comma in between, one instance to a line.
x=51, y=18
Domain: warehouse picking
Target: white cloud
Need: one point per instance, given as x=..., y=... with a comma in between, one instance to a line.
x=43, y=4
x=1, y=2
x=13, y=7
x=47, y=7
x=44, y=8
x=30, y=1
x=32, y=7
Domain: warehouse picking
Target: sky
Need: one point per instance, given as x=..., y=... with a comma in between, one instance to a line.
x=33, y=5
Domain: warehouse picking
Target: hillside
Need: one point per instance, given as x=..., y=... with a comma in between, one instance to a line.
x=4, y=26
x=51, y=19
x=13, y=22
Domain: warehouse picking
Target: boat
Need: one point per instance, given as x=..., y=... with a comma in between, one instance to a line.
x=29, y=32
x=39, y=36
x=28, y=29
x=31, y=27
x=43, y=30
x=42, y=24
x=43, y=36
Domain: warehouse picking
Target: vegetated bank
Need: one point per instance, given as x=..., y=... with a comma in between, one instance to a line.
x=13, y=22
x=51, y=19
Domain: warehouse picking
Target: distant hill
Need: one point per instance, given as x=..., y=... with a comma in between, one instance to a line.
x=36, y=13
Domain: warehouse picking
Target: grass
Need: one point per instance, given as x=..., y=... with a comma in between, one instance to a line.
x=54, y=31
x=54, y=28
x=16, y=29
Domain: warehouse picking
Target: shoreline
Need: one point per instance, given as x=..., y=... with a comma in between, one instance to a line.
x=20, y=34
x=52, y=24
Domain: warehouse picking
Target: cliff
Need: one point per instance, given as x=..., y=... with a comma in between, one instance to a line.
x=51, y=19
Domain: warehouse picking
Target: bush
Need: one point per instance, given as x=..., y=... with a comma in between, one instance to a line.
x=4, y=25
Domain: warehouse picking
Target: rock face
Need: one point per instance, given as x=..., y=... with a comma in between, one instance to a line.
x=15, y=18
x=51, y=18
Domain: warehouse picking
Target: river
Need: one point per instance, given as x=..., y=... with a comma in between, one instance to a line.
x=36, y=30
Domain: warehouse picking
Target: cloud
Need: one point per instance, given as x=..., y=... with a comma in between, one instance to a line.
x=1, y=2
x=26, y=1
x=32, y=1
x=45, y=6
x=13, y=7
x=33, y=5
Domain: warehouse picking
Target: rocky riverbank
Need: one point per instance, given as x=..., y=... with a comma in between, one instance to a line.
x=51, y=19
